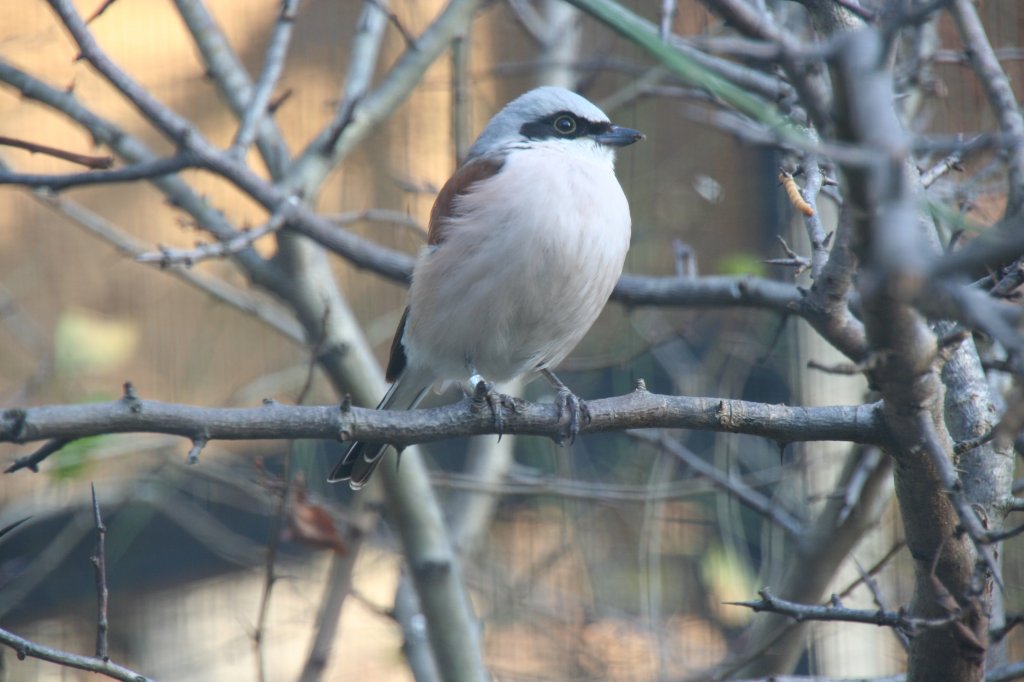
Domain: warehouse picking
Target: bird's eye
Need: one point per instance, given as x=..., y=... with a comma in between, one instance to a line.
x=565, y=125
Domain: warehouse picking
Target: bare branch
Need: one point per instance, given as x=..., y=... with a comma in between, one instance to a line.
x=26, y=648
x=410, y=40
x=31, y=462
x=686, y=65
x=132, y=149
x=273, y=64
x=639, y=409
x=760, y=25
x=267, y=312
x=792, y=526
x=146, y=170
x=99, y=562
x=100, y=10
x=896, y=247
x=835, y=611
x=800, y=264
x=953, y=162
x=233, y=81
x=874, y=570
x=710, y=291
x=1000, y=96
x=170, y=256
x=520, y=484
x=270, y=570
x=197, y=448
x=364, y=110
x=94, y=162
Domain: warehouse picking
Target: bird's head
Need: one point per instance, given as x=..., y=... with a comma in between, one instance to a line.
x=550, y=117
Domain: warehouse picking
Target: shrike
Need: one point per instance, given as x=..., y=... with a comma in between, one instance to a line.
x=526, y=241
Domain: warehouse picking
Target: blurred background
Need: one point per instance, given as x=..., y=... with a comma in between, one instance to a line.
x=611, y=560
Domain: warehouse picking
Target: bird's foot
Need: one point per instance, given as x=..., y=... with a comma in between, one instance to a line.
x=483, y=393
x=579, y=413
x=567, y=401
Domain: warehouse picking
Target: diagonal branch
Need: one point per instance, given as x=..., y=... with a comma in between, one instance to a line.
x=750, y=497
x=27, y=648
x=89, y=161
x=233, y=82
x=273, y=64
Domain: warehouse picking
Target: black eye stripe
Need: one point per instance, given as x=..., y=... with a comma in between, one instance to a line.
x=555, y=126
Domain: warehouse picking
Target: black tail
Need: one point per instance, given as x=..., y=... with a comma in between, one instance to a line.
x=357, y=464
x=362, y=458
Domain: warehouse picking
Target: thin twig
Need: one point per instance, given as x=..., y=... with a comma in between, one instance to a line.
x=100, y=10
x=94, y=162
x=267, y=312
x=876, y=595
x=410, y=39
x=793, y=260
x=146, y=170
x=793, y=526
x=197, y=448
x=273, y=65
x=233, y=82
x=99, y=562
x=31, y=462
x=246, y=238
x=835, y=611
x=26, y=648
x=878, y=566
x=269, y=571
x=953, y=162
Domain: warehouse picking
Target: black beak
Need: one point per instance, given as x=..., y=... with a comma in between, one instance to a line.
x=617, y=136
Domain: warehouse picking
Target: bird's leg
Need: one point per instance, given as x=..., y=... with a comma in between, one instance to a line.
x=482, y=392
x=567, y=401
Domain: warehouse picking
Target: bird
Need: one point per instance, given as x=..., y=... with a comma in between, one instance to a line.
x=525, y=243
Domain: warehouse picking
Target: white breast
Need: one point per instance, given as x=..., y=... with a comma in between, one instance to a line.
x=525, y=269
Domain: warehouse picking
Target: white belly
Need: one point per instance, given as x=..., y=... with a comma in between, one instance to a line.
x=525, y=269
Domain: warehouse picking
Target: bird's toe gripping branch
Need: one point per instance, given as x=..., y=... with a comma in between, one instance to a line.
x=484, y=393
x=568, y=402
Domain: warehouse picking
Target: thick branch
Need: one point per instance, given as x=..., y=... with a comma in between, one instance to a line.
x=639, y=409
x=890, y=242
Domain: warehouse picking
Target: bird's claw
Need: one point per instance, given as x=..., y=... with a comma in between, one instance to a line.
x=483, y=392
x=579, y=413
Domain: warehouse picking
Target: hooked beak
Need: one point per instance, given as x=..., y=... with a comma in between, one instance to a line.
x=617, y=136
